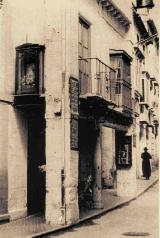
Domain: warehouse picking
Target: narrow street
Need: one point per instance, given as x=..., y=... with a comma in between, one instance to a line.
x=140, y=216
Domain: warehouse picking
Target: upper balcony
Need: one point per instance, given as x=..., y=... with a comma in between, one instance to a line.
x=121, y=62
x=97, y=80
x=123, y=97
x=100, y=83
x=144, y=4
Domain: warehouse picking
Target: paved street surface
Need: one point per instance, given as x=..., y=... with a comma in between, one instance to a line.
x=32, y=226
x=139, y=216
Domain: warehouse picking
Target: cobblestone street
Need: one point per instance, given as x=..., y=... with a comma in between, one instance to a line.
x=140, y=216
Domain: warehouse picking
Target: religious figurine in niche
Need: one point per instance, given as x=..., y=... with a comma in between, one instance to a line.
x=29, y=77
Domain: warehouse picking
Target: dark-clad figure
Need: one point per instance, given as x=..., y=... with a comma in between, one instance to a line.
x=146, y=167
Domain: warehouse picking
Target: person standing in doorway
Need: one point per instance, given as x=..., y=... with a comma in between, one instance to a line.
x=146, y=167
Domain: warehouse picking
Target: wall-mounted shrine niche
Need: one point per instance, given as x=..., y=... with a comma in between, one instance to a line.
x=29, y=69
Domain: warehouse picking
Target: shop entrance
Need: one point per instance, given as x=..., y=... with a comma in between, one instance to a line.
x=87, y=143
x=36, y=158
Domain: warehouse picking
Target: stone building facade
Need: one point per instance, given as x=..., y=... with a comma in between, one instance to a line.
x=146, y=84
x=71, y=104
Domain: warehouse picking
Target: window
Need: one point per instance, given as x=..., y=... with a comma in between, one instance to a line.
x=143, y=91
x=139, y=3
x=84, y=55
x=121, y=62
x=127, y=71
x=157, y=48
x=144, y=48
x=139, y=63
x=122, y=67
x=156, y=130
x=83, y=39
x=29, y=69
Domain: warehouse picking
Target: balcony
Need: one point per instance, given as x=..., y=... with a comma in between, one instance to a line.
x=97, y=80
x=123, y=98
x=144, y=4
x=121, y=62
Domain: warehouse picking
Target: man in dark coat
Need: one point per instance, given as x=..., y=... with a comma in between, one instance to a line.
x=146, y=167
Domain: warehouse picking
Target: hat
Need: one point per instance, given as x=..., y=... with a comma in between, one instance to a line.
x=145, y=148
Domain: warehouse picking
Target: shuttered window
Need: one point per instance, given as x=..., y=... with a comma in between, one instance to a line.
x=84, y=53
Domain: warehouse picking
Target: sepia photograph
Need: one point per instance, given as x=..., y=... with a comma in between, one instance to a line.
x=79, y=118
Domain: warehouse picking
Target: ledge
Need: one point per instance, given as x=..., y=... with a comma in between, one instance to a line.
x=24, y=101
x=137, y=93
x=122, y=53
x=139, y=53
x=144, y=103
x=4, y=217
x=146, y=73
x=144, y=4
x=136, y=114
x=154, y=80
x=115, y=12
x=17, y=214
x=95, y=102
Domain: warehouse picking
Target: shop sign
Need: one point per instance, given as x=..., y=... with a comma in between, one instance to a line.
x=74, y=95
x=74, y=132
x=74, y=101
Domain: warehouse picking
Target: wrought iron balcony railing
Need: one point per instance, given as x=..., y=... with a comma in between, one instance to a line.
x=97, y=78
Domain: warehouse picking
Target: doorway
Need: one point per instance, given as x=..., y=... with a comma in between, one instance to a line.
x=36, y=157
x=87, y=143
